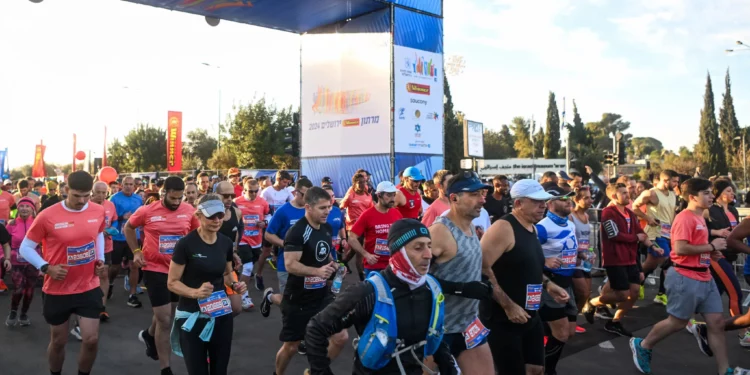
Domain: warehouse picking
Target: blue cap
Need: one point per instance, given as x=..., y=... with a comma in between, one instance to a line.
x=467, y=184
x=414, y=173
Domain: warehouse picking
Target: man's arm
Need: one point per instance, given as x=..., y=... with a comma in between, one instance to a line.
x=130, y=236
x=295, y=267
x=646, y=198
x=400, y=198
x=441, y=238
x=682, y=247
x=498, y=239
x=612, y=230
x=273, y=239
x=735, y=239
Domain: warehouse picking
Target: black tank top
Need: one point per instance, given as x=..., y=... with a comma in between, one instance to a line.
x=516, y=271
x=230, y=227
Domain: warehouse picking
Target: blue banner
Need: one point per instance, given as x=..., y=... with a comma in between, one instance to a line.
x=3, y=156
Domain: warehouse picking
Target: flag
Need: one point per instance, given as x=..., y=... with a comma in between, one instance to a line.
x=38, y=169
x=174, y=141
x=3, y=156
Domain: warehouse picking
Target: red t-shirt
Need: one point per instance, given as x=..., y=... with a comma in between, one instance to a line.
x=692, y=228
x=732, y=219
x=355, y=204
x=436, y=209
x=413, y=204
x=252, y=212
x=69, y=238
x=6, y=202
x=110, y=216
x=162, y=229
x=374, y=226
x=238, y=190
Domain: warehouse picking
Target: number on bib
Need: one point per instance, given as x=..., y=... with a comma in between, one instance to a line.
x=314, y=282
x=705, y=259
x=533, y=296
x=569, y=258
x=666, y=230
x=167, y=243
x=475, y=334
x=80, y=255
x=583, y=244
x=381, y=247
x=216, y=305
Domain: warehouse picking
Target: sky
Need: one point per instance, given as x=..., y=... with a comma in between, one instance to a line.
x=76, y=66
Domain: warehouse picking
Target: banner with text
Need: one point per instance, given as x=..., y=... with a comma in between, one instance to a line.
x=174, y=141
x=473, y=139
x=38, y=169
x=511, y=167
x=418, y=98
x=345, y=94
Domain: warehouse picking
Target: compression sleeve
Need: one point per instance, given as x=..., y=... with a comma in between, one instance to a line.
x=28, y=252
x=100, y=246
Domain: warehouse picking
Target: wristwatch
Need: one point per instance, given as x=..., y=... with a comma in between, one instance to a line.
x=44, y=268
x=544, y=284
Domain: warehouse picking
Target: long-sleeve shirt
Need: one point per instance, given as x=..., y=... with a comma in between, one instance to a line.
x=619, y=237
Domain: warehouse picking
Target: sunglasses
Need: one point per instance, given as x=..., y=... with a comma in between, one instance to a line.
x=216, y=216
x=470, y=174
x=252, y=191
x=564, y=198
x=228, y=196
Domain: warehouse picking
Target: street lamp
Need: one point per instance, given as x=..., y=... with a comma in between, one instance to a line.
x=744, y=158
x=218, y=123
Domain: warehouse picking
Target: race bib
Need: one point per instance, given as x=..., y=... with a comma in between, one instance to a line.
x=569, y=258
x=666, y=230
x=705, y=259
x=167, y=243
x=475, y=334
x=314, y=282
x=251, y=225
x=533, y=296
x=216, y=305
x=80, y=255
x=381, y=247
x=583, y=244
x=335, y=241
x=732, y=224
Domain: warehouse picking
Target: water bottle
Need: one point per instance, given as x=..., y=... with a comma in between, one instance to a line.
x=339, y=279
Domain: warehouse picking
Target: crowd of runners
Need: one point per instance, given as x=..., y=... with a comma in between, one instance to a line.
x=455, y=275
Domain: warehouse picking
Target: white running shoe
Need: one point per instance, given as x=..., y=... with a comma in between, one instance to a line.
x=247, y=303
x=745, y=340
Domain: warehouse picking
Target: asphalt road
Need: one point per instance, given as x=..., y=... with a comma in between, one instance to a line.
x=255, y=343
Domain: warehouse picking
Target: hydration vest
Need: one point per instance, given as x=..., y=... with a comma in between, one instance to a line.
x=379, y=342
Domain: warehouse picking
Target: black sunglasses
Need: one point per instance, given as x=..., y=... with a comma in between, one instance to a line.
x=219, y=216
x=252, y=191
x=228, y=196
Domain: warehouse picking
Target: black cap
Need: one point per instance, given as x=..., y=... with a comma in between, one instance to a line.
x=326, y=180
x=404, y=231
x=367, y=173
x=563, y=176
x=558, y=192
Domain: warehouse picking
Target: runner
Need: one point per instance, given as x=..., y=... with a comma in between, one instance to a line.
x=283, y=219
x=99, y=196
x=52, y=197
x=191, y=193
x=23, y=274
x=276, y=195
x=233, y=176
x=661, y=203
x=441, y=204
x=690, y=287
x=513, y=259
x=356, y=201
x=232, y=227
x=499, y=204
x=308, y=258
x=372, y=227
x=201, y=267
x=126, y=203
x=586, y=255
x=408, y=200
x=164, y=222
x=458, y=258
x=255, y=214
x=336, y=221
x=204, y=184
x=71, y=235
x=429, y=194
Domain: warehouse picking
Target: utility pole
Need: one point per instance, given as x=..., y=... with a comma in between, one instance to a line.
x=567, y=140
x=533, y=149
x=616, y=152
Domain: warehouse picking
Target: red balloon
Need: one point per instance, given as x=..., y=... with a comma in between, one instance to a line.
x=80, y=155
x=108, y=174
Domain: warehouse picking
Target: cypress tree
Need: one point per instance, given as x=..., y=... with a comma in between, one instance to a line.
x=728, y=125
x=709, y=151
x=552, y=133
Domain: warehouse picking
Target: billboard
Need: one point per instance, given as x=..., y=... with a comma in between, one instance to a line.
x=346, y=94
x=473, y=139
x=418, y=98
x=174, y=141
x=519, y=166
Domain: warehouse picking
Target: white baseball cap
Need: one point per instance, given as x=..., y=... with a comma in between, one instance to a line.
x=386, y=187
x=529, y=189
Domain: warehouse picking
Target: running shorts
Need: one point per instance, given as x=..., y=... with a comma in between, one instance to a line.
x=156, y=286
x=57, y=309
x=621, y=277
x=295, y=317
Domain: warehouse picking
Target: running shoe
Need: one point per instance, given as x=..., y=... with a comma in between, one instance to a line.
x=602, y=312
x=103, y=317
x=738, y=371
x=580, y=329
x=701, y=336
x=3, y=287
x=259, y=282
x=247, y=303
x=617, y=328
x=642, y=292
x=661, y=298
x=134, y=302
x=690, y=327
x=139, y=289
x=745, y=340
x=589, y=312
x=12, y=318
x=641, y=356
x=24, y=321
x=150, y=343
x=265, y=304
x=272, y=262
x=110, y=291
x=76, y=332
x=302, y=348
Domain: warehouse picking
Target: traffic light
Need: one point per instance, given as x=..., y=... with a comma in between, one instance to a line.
x=291, y=137
x=608, y=159
x=621, y=160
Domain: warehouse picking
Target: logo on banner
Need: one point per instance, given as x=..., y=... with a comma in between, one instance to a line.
x=350, y=122
x=400, y=116
x=433, y=116
x=418, y=101
x=417, y=129
x=416, y=88
x=417, y=114
x=218, y=4
x=174, y=141
x=327, y=101
x=420, y=67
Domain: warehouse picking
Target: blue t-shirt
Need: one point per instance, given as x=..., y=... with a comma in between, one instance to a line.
x=124, y=204
x=282, y=220
x=336, y=221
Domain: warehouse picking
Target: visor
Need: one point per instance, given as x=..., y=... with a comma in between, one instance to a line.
x=211, y=208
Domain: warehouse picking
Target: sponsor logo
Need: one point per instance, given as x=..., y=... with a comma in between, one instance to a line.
x=433, y=116
x=419, y=144
x=321, y=251
x=157, y=218
x=93, y=220
x=417, y=128
x=416, y=88
x=182, y=216
x=68, y=224
x=327, y=101
x=417, y=114
x=418, y=101
x=350, y=122
x=401, y=113
x=421, y=67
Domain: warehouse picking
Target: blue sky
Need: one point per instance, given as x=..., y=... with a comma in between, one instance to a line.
x=66, y=64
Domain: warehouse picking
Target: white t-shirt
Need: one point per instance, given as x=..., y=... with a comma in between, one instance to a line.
x=482, y=221
x=275, y=198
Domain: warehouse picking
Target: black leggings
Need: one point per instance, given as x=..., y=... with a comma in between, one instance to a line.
x=212, y=357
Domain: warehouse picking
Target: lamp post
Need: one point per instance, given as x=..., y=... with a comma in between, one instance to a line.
x=744, y=158
x=218, y=123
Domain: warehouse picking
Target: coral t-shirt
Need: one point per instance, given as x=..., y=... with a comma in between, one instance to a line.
x=253, y=212
x=692, y=228
x=6, y=202
x=162, y=229
x=69, y=237
x=374, y=226
x=110, y=216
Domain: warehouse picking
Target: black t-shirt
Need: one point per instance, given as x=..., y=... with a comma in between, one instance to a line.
x=203, y=263
x=498, y=208
x=315, y=245
x=4, y=236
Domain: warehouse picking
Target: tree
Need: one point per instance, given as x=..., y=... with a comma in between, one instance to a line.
x=602, y=132
x=642, y=146
x=198, y=148
x=578, y=133
x=257, y=134
x=222, y=159
x=522, y=137
x=552, y=139
x=506, y=142
x=498, y=144
x=539, y=142
x=143, y=150
x=118, y=157
x=452, y=131
x=709, y=152
x=729, y=128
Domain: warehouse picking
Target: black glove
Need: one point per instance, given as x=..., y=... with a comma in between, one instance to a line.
x=481, y=290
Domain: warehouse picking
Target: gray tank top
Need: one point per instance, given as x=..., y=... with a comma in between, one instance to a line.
x=583, y=235
x=464, y=267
